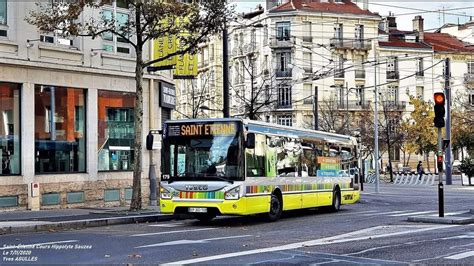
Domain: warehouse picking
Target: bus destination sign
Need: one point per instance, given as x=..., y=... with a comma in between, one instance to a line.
x=214, y=129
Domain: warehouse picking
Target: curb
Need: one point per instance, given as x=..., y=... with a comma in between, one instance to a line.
x=79, y=224
x=442, y=220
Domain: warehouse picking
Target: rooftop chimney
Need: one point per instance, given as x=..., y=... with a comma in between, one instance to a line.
x=418, y=27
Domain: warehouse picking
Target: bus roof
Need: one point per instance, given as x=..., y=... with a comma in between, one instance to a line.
x=275, y=129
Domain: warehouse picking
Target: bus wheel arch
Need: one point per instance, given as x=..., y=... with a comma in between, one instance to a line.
x=276, y=205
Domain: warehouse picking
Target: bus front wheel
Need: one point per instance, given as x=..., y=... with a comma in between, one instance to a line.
x=336, y=201
x=276, y=208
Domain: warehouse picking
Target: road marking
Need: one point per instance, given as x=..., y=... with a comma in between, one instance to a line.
x=188, y=242
x=461, y=255
x=167, y=225
x=173, y=232
x=349, y=237
x=383, y=213
x=29, y=246
x=411, y=213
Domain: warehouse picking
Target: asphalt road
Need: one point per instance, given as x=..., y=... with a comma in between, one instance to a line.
x=374, y=231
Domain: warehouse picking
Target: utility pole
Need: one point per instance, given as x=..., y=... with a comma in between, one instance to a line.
x=315, y=108
x=225, y=72
x=376, y=125
x=447, y=92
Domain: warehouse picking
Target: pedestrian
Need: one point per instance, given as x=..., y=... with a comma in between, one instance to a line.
x=419, y=170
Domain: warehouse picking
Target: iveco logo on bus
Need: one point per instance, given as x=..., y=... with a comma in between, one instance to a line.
x=196, y=187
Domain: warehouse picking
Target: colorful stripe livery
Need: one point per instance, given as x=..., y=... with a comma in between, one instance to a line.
x=295, y=188
x=202, y=195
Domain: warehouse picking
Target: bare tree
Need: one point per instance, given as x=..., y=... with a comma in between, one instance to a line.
x=148, y=20
x=332, y=118
x=196, y=96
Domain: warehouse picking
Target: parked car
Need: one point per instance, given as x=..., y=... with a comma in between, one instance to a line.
x=455, y=168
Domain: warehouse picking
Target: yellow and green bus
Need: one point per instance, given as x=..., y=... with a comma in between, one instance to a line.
x=232, y=166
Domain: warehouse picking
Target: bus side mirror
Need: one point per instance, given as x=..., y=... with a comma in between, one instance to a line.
x=250, y=142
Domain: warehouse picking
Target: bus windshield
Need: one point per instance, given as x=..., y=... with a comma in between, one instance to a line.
x=203, y=156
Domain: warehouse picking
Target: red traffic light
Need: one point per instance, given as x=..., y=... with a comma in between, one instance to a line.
x=439, y=98
x=439, y=159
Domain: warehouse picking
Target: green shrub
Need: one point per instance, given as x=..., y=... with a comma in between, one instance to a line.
x=467, y=167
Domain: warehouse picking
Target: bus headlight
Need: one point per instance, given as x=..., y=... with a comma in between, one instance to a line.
x=165, y=194
x=232, y=194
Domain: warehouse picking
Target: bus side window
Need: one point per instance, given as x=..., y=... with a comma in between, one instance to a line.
x=255, y=158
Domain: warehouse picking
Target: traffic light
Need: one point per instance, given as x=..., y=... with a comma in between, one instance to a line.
x=439, y=161
x=439, y=110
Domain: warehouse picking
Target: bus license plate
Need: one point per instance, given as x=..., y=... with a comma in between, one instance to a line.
x=198, y=210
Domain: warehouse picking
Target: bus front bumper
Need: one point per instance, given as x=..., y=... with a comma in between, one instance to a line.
x=242, y=206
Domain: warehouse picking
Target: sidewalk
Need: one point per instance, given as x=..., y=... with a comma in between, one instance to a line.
x=454, y=218
x=13, y=222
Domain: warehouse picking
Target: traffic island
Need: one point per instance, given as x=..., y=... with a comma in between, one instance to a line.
x=464, y=218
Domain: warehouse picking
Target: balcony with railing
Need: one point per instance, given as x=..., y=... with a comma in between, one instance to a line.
x=282, y=42
x=283, y=73
x=355, y=44
x=308, y=101
x=393, y=75
x=283, y=105
x=469, y=78
x=394, y=105
x=353, y=105
x=308, y=39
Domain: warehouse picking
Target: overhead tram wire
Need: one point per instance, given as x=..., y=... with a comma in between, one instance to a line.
x=418, y=9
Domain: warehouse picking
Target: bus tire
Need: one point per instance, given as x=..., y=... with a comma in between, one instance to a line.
x=336, y=200
x=205, y=217
x=276, y=208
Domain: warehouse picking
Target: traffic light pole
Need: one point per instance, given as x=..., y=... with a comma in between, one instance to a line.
x=447, y=92
x=440, y=175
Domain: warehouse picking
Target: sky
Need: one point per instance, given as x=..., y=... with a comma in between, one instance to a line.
x=405, y=11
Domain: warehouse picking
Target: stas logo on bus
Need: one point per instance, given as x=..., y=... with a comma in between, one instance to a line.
x=207, y=129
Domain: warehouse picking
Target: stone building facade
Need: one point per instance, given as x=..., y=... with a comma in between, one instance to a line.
x=66, y=114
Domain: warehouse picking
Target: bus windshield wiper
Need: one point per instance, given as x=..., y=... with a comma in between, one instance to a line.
x=220, y=178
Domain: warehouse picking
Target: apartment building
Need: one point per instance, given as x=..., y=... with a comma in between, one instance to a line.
x=67, y=113
x=297, y=47
x=202, y=96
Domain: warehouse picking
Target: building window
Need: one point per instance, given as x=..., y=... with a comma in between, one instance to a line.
x=283, y=61
x=9, y=129
x=3, y=12
x=420, y=92
x=111, y=42
x=283, y=31
x=284, y=97
x=265, y=35
x=471, y=97
x=60, y=140
x=360, y=95
x=392, y=68
x=470, y=67
x=391, y=97
x=285, y=120
x=339, y=68
x=420, y=70
x=359, y=32
x=307, y=63
x=307, y=32
x=338, y=31
x=116, y=130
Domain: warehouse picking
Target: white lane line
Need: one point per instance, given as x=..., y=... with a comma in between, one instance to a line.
x=411, y=213
x=173, y=232
x=349, y=237
x=28, y=246
x=167, y=225
x=351, y=213
x=383, y=213
x=461, y=255
x=188, y=242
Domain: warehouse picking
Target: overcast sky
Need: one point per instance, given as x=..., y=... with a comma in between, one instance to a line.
x=405, y=11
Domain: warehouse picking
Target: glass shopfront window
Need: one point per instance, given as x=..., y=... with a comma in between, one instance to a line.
x=9, y=128
x=59, y=130
x=116, y=131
